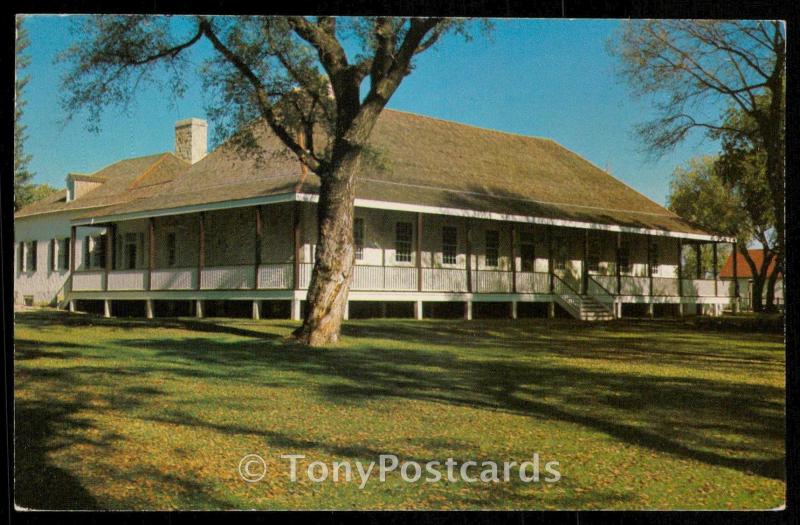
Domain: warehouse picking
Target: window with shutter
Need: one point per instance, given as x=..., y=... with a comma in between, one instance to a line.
x=100, y=251
x=492, y=247
x=358, y=238
x=34, y=249
x=402, y=242
x=87, y=262
x=449, y=244
x=63, y=254
x=131, y=251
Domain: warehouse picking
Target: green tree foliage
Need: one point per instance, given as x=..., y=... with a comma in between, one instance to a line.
x=300, y=77
x=38, y=192
x=699, y=193
x=25, y=191
x=684, y=66
x=742, y=168
x=22, y=175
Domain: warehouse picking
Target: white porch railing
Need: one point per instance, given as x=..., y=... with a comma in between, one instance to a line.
x=609, y=282
x=127, y=280
x=173, y=279
x=533, y=282
x=444, y=280
x=305, y=275
x=227, y=278
x=665, y=286
x=401, y=278
x=389, y=278
x=368, y=278
x=491, y=281
x=600, y=293
x=635, y=285
x=698, y=287
x=89, y=281
x=569, y=298
x=275, y=276
x=725, y=288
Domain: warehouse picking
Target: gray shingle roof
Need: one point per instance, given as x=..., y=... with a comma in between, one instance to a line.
x=125, y=181
x=423, y=160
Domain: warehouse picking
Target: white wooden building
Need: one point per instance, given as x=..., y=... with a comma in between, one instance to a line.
x=446, y=214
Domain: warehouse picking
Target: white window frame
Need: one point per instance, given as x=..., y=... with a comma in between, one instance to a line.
x=406, y=255
x=359, y=234
x=447, y=258
x=494, y=260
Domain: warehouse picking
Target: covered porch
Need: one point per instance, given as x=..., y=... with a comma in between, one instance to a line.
x=271, y=248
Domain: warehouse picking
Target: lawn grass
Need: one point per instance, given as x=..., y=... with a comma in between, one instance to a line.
x=134, y=414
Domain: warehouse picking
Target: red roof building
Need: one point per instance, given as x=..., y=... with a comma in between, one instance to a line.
x=742, y=268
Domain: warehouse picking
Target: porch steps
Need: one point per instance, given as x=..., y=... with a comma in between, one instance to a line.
x=593, y=310
x=580, y=306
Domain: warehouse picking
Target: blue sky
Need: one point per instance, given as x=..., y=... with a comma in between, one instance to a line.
x=547, y=78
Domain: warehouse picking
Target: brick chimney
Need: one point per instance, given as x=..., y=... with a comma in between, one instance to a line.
x=191, y=139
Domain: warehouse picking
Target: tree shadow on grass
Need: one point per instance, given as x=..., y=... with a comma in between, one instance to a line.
x=693, y=418
x=696, y=418
x=39, y=431
x=214, y=326
x=51, y=422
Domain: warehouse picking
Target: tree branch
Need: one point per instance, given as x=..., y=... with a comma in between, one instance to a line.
x=170, y=52
x=264, y=106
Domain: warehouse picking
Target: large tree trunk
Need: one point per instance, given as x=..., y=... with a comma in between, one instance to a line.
x=757, y=290
x=773, y=131
x=333, y=267
x=757, y=293
x=770, y=304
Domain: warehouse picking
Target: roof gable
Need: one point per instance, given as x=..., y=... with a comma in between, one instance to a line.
x=117, y=183
x=742, y=268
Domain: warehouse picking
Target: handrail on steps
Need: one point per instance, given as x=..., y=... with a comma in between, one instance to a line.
x=598, y=283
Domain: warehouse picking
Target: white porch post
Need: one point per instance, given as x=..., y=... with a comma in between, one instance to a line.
x=148, y=309
x=551, y=310
x=296, y=310
x=513, y=309
x=418, y=310
x=650, y=309
x=198, y=309
x=468, y=310
x=72, y=306
x=346, y=310
x=256, y=310
x=106, y=308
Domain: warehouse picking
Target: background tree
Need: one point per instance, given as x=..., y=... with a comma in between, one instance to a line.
x=25, y=191
x=687, y=65
x=293, y=74
x=22, y=175
x=741, y=167
x=700, y=194
x=39, y=191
